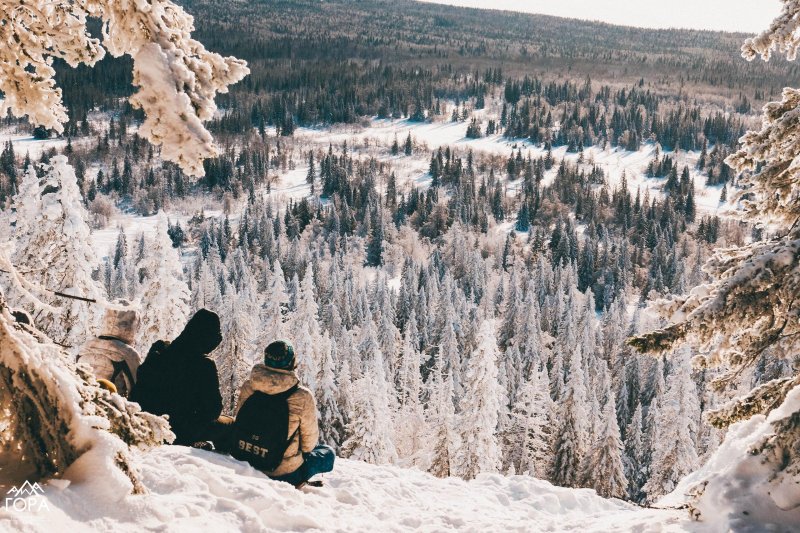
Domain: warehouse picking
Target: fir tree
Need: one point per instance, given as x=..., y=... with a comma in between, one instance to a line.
x=533, y=416
x=165, y=297
x=674, y=452
x=480, y=451
x=53, y=249
x=371, y=436
x=572, y=436
x=604, y=469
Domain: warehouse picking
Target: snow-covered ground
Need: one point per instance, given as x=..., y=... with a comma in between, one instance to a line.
x=376, y=139
x=27, y=144
x=193, y=490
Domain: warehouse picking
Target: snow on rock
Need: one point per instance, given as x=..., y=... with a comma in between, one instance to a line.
x=735, y=489
x=193, y=490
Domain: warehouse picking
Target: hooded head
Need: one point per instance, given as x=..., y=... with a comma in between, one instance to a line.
x=201, y=335
x=280, y=355
x=121, y=321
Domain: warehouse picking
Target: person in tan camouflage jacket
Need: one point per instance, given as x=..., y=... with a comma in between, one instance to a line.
x=303, y=457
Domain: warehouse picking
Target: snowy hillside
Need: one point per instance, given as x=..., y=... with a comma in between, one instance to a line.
x=193, y=490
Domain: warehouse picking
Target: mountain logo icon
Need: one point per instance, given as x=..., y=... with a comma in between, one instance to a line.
x=26, y=489
x=27, y=497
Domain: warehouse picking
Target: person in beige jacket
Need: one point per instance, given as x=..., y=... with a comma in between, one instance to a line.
x=303, y=457
x=111, y=355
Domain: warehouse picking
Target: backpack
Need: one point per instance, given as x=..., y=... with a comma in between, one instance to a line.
x=259, y=433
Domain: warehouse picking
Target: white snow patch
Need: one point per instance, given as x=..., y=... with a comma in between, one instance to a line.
x=193, y=490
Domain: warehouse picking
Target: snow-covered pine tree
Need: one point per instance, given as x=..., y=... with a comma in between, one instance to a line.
x=532, y=417
x=572, y=435
x=176, y=78
x=448, y=350
x=674, y=446
x=331, y=421
x=750, y=309
x=238, y=350
x=635, y=466
x=55, y=254
x=205, y=289
x=121, y=286
x=304, y=327
x=275, y=303
x=164, y=302
x=603, y=467
x=444, y=440
x=26, y=205
x=480, y=405
x=371, y=435
x=410, y=419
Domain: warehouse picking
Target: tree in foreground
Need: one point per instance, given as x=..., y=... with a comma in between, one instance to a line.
x=176, y=78
x=53, y=250
x=750, y=310
x=480, y=451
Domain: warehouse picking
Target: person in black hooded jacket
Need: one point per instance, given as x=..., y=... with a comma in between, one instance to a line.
x=180, y=380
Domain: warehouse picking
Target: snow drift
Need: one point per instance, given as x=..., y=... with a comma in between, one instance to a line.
x=194, y=490
x=741, y=487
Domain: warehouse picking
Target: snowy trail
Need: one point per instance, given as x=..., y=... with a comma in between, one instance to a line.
x=193, y=490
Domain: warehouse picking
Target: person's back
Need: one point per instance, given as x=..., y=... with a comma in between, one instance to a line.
x=302, y=457
x=180, y=380
x=111, y=355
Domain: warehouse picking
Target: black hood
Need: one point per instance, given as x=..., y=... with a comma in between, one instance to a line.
x=201, y=335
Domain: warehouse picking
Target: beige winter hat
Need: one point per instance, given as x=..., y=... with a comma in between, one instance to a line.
x=121, y=321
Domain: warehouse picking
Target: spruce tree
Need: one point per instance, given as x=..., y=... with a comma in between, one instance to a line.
x=53, y=250
x=444, y=436
x=532, y=417
x=164, y=301
x=572, y=435
x=674, y=446
x=331, y=421
x=603, y=468
x=304, y=326
x=371, y=435
x=480, y=450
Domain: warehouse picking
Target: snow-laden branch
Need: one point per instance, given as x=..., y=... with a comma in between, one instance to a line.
x=175, y=76
x=753, y=304
x=782, y=35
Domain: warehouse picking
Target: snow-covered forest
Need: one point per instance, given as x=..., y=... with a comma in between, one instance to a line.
x=469, y=270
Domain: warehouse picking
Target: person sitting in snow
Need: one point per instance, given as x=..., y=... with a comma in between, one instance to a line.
x=276, y=426
x=180, y=380
x=111, y=355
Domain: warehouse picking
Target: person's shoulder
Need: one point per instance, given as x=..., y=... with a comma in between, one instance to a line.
x=128, y=352
x=304, y=393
